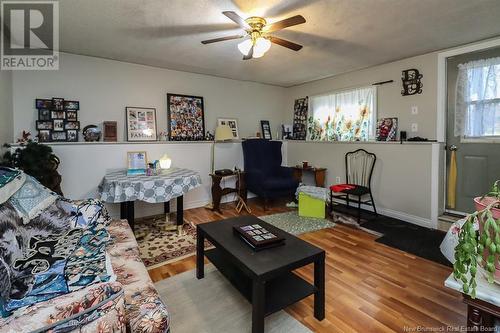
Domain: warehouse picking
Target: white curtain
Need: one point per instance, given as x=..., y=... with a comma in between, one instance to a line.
x=477, y=108
x=347, y=115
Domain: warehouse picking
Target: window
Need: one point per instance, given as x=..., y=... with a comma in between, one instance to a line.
x=477, y=110
x=343, y=116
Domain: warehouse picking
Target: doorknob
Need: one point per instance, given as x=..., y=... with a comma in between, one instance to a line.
x=453, y=148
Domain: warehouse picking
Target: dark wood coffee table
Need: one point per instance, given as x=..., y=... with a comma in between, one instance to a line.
x=265, y=277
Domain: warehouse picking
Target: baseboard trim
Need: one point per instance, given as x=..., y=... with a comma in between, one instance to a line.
x=421, y=221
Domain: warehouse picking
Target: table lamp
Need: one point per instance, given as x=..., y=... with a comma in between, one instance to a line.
x=222, y=133
x=165, y=162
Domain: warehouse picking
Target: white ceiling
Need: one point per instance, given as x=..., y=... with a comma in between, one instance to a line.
x=339, y=35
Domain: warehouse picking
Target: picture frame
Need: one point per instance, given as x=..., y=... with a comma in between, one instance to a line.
x=55, y=114
x=44, y=135
x=387, y=129
x=71, y=125
x=141, y=123
x=110, y=131
x=266, y=129
x=232, y=123
x=71, y=105
x=44, y=114
x=185, y=117
x=41, y=103
x=58, y=125
x=72, y=135
x=137, y=162
x=57, y=136
x=300, y=113
x=71, y=115
x=57, y=103
x=44, y=125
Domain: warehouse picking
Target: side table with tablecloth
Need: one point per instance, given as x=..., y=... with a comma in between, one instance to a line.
x=118, y=187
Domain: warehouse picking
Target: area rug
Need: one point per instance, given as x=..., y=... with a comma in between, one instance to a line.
x=213, y=305
x=158, y=246
x=404, y=236
x=294, y=224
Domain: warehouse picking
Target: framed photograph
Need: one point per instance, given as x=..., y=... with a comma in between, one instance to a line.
x=58, y=125
x=72, y=135
x=137, y=162
x=59, y=136
x=72, y=125
x=71, y=105
x=44, y=114
x=300, y=108
x=57, y=114
x=44, y=125
x=387, y=129
x=266, y=129
x=185, y=117
x=71, y=115
x=110, y=132
x=141, y=124
x=44, y=135
x=57, y=103
x=233, y=123
x=43, y=103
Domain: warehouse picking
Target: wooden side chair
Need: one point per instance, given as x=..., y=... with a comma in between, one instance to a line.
x=359, y=170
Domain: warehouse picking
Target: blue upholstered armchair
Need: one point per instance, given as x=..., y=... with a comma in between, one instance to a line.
x=264, y=174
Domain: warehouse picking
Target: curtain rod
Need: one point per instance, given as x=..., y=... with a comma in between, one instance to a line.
x=382, y=82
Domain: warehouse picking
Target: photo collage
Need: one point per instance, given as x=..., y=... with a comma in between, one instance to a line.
x=57, y=120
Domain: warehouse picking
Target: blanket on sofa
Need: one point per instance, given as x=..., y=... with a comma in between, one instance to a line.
x=61, y=250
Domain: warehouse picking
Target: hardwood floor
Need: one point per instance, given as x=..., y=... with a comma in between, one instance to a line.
x=369, y=287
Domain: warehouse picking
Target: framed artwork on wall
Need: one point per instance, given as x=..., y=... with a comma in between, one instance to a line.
x=141, y=124
x=387, y=129
x=300, y=109
x=185, y=117
x=266, y=129
x=232, y=123
x=57, y=119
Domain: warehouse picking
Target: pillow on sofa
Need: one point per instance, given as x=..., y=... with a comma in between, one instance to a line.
x=32, y=198
x=11, y=181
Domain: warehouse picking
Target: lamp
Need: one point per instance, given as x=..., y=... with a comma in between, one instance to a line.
x=222, y=133
x=165, y=162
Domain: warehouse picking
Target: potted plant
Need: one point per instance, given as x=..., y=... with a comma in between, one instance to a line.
x=37, y=160
x=480, y=247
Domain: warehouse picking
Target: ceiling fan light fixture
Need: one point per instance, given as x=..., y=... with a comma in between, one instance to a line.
x=245, y=46
x=262, y=45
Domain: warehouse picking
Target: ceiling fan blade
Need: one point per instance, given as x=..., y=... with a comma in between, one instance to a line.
x=285, y=43
x=291, y=21
x=221, y=39
x=249, y=55
x=237, y=19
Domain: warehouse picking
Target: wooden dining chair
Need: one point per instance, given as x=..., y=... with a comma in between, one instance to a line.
x=359, y=170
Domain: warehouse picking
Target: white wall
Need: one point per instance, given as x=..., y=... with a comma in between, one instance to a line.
x=401, y=182
x=6, y=132
x=105, y=87
x=390, y=102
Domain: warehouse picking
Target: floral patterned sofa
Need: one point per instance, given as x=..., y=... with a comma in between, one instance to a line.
x=66, y=266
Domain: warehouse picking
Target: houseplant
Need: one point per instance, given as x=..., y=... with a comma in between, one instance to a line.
x=479, y=247
x=37, y=160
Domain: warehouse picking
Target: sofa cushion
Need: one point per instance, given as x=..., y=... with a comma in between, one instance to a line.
x=98, y=308
x=11, y=181
x=32, y=198
x=145, y=310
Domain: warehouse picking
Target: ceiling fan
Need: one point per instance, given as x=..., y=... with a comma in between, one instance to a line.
x=257, y=29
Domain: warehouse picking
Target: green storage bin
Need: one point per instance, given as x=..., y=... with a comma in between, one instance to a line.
x=311, y=207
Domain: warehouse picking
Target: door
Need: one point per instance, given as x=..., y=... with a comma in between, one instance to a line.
x=478, y=157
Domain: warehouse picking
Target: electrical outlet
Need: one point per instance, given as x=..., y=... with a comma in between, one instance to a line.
x=414, y=110
x=337, y=180
x=414, y=127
